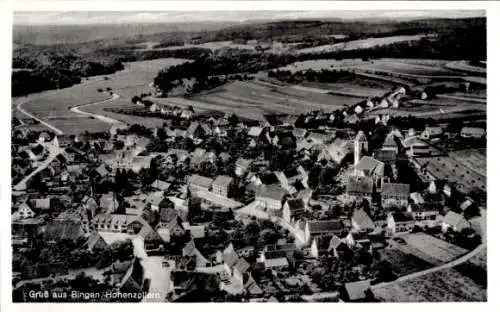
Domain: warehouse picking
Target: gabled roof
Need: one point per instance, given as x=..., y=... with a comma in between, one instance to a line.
x=160, y=185
x=357, y=290
x=192, y=128
x=359, y=184
x=271, y=191
x=473, y=131
x=223, y=181
x=390, y=141
x=395, y=189
x=241, y=265
x=269, y=178
x=276, y=262
x=229, y=256
x=386, y=156
x=434, y=130
x=424, y=207
x=370, y=165
x=328, y=226
x=255, y=131
x=199, y=180
x=41, y=203
x=167, y=214
x=362, y=219
x=402, y=216
x=295, y=205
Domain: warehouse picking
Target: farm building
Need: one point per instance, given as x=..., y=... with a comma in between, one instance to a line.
x=472, y=132
x=424, y=211
x=359, y=188
x=270, y=197
x=199, y=183
x=323, y=228
x=222, y=186
x=432, y=133
x=416, y=147
x=293, y=210
x=400, y=222
x=395, y=195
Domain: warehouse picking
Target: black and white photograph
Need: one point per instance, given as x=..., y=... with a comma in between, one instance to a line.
x=248, y=156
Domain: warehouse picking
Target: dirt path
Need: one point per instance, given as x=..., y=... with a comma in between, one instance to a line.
x=53, y=152
x=102, y=118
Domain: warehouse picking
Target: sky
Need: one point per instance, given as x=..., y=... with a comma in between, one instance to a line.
x=126, y=17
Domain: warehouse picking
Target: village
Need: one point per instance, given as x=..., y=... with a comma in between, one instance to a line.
x=213, y=207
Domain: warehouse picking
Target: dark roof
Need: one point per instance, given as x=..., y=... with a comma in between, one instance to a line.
x=359, y=184
x=271, y=191
x=395, y=189
x=269, y=178
x=167, y=214
x=62, y=229
x=325, y=226
x=323, y=242
x=402, y=216
x=385, y=155
x=357, y=290
x=295, y=205
x=424, y=207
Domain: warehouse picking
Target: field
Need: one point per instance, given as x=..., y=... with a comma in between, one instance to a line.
x=274, y=47
x=407, y=68
x=473, y=159
x=431, y=249
x=448, y=168
x=475, y=268
x=53, y=106
x=259, y=98
x=444, y=286
x=403, y=263
x=345, y=89
x=360, y=44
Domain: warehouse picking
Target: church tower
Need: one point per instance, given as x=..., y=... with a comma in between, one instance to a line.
x=360, y=144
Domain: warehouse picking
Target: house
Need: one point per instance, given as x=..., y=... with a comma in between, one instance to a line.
x=395, y=195
x=129, y=279
x=198, y=183
x=400, y=222
x=424, y=211
x=90, y=205
x=141, y=162
x=416, y=147
x=187, y=114
x=222, y=186
x=472, y=132
x=229, y=259
x=299, y=133
x=388, y=157
x=241, y=166
x=270, y=197
x=356, y=291
x=196, y=231
x=108, y=202
x=96, y=243
x=160, y=185
x=323, y=228
x=25, y=211
x=390, y=143
x=112, y=222
x=220, y=130
x=359, y=188
x=293, y=209
x=352, y=119
x=361, y=222
x=245, y=252
x=432, y=133
x=454, y=221
x=154, y=199
x=276, y=263
x=440, y=186
x=41, y=204
x=117, y=128
x=417, y=198
x=255, y=132
x=194, y=130
x=240, y=268
x=325, y=245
